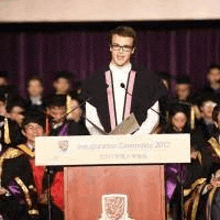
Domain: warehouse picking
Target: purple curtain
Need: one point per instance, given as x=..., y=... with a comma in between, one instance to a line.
x=177, y=51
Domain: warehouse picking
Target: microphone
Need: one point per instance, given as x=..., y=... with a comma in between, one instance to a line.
x=123, y=86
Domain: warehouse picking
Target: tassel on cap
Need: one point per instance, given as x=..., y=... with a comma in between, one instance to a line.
x=68, y=104
x=192, y=117
x=6, y=132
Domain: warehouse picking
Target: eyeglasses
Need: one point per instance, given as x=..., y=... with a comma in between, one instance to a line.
x=125, y=48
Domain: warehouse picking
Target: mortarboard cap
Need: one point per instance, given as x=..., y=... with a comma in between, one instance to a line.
x=56, y=100
x=34, y=116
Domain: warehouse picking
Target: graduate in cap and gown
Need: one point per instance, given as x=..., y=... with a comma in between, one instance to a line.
x=64, y=84
x=10, y=131
x=202, y=194
x=60, y=125
x=18, y=193
x=178, y=123
x=49, y=191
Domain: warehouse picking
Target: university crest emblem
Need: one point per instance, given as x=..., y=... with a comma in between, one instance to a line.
x=114, y=207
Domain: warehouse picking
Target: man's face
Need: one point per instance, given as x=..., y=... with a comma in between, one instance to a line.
x=33, y=130
x=3, y=81
x=62, y=86
x=214, y=76
x=35, y=88
x=121, y=50
x=182, y=91
x=207, y=109
x=16, y=114
x=57, y=113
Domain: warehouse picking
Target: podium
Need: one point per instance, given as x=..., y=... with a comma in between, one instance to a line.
x=114, y=177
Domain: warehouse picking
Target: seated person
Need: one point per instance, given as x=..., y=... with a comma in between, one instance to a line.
x=202, y=194
x=49, y=193
x=183, y=89
x=18, y=194
x=174, y=173
x=212, y=90
x=59, y=124
x=62, y=86
x=35, y=94
x=16, y=110
x=205, y=125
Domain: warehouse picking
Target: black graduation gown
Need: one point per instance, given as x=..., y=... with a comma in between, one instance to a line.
x=148, y=88
x=17, y=178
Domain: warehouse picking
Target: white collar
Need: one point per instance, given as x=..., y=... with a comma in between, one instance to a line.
x=114, y=68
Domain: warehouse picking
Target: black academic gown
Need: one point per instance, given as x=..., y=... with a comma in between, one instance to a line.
x=148, y=88
x=17, y=178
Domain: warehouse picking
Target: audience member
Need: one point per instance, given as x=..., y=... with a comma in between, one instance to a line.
x=60, y=125
x=62, y=86
x=183, y=89
x=35, y=98
x=50, y=194
x=212, y=90
x=16, y=110
x=175, y=172
x=4, y=78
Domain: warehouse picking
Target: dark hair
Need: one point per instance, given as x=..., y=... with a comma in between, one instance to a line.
x=215, y=113
x=124, y=31
x=214, y=66
x=15, y=101
x=63, y=74
x=183, y=79
x=36, y=78
x=176, y=108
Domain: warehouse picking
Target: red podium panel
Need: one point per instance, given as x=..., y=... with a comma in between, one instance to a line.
x=143, y=185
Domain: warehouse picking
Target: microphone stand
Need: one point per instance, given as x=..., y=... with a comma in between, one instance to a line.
x=181, y=182
x=49, y=204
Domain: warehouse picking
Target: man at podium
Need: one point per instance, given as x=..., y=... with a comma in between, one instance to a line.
x=121, y=88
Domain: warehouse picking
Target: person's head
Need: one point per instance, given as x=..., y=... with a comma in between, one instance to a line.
x=16, y=110
x=2, y=102
x=62, y=82
x=33, y=126
x=57, y=108
x=3, y=78
x=206, y=107
x=183, y=88
x=216, y=116
x=35, y=87
x=178, y=117
x=213, y=74
x=122, y=45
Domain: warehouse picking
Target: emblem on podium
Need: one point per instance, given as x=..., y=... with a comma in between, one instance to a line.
x=63, y=145
x=114, y=207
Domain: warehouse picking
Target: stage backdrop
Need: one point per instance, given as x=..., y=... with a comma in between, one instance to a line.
x=179, y=51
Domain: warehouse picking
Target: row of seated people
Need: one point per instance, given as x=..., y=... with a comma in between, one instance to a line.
x=192, y=190
x=28, y=191
x=13, y=106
